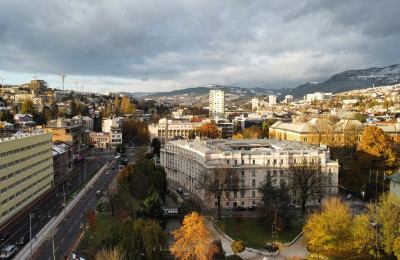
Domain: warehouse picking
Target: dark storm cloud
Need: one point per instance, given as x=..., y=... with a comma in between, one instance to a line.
x=155, y=45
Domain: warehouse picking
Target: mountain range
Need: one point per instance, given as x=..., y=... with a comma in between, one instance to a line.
x=344, y=81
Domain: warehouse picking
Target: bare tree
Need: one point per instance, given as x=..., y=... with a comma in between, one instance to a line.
x=112, y=194
x=306, y=180
x=219, y=183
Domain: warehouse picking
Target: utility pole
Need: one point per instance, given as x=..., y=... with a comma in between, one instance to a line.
x=63, y=76
x=2, y=81
x=30, y=230
x=65, y=205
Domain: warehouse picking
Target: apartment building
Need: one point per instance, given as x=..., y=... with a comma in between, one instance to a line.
x=100, y=140
x=217, y=103
x=26, y=170
x=252, y=160
x=174, y=128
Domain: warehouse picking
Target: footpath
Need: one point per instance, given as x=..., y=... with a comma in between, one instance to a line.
x=43, y=234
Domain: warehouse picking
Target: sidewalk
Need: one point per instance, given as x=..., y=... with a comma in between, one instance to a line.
x=24, y=253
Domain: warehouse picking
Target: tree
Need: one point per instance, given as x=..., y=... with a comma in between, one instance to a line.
x=156, y=145
x=306, y=180
x=335, y=231
x=152, y=207
x=193, y=239
x=218, y=183
x=91, y=218
x=110, y=254
x=386, y=215
x=112, y=196
x=375, y=150
x=238, y=246
x=7, y=116
x=238, y=136
x=360, y=117
x=28, y=107
x=253, y=132
x=97, y=121
x=188, y=206
x=142, y=239
x=396, y=245
x=265, y=128
x=210, y=131
x=116, y=104
x=193, y=133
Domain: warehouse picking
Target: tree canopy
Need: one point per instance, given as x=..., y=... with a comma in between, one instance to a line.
x=253, y=132
x=375, y=150
x=337, y=232
x=210, y=130
x=28, y=107
x=193, y=239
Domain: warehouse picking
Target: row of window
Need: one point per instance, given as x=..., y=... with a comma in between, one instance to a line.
x=275, y=161
x=16, y=195
x=16, y=151
x=18, y=172
x=16, y=184
x=23, y=160
x=22, y=202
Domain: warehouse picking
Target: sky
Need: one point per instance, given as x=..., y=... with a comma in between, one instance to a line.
x=159, y=45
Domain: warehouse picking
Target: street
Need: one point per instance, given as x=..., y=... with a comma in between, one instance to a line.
x=46, y=207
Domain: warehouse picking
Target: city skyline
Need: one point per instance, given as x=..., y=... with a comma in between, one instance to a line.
x=143, y=47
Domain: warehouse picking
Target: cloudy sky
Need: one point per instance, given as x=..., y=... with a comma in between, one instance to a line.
x=159, y=45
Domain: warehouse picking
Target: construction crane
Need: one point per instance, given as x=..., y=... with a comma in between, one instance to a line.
x=63, y=76
x=2, y=81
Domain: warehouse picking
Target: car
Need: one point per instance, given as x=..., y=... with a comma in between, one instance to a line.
x=185, y=195
x=98, y=192
x=239, y=208
x=9, y=252
x=251, y=208
x=4, y=237
x=179, y=190
x=349, y=196
x=23, y=240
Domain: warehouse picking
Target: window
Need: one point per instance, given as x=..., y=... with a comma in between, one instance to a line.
x=227, y=162
x=268, y=161
x=4, y=202
x=242, y=182
x=227, y=203
x=253, y=182
x=305, y=139
x=242, y=173
x=242, y=194
x=281, y=173
x=281, y=161
x=242, y=161
x=235, y=194
x=254, y=161
x=253, y=202
x=11, y=187
x=253, y=173
x=2, y=155
x=4, y=178
x=253, y=194
x=9, y=153
x=10, y=175
x=235, y=162
x=216, y=204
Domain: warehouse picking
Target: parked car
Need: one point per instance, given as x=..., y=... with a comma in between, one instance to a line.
x=239, y=208
x=4, y=237
x=23, y=240
x=179, y=190
x=185, y=195
x=9, y=252
x=251, y=208
x=349, y=196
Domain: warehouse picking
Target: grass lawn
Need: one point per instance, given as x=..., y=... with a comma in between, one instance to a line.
x=254, y=233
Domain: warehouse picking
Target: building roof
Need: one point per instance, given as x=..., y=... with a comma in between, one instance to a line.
x=57, y=150
x=395, y=177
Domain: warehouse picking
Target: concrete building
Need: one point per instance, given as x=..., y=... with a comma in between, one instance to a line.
x=112, y=123
x=86, y=121
x=60, y=162
x=20, y=118
x=318, y=96
x=175, y=128
x=288, y=99
x=26, y=170
x=395, y=184
x=217, y=103
x=254, y=103
x=271, y=100
x=115, y=138
x=251, y=160
x=100, y=140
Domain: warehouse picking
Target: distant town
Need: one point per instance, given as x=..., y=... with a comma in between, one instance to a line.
x=86, y=175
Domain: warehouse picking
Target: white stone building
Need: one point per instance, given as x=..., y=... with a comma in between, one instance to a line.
x=254, y=103
x=252, y=160
x=175, y=128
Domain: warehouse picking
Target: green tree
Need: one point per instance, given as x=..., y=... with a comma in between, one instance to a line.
x=152, y=207
x=375, y=150
x=156, y=145
x=360, y=117
x=28, y=107
x=7, y=116
x=265, y=128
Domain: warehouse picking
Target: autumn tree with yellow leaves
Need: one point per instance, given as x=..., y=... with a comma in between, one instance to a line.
x=193, y=239
x=337, y=232
x=210, y=130
x=375, y=150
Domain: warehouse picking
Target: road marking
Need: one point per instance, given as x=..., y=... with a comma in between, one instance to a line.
x=70, y=229
x=75, y=222
x=57, y=248
x=62, y=240
x=49, y=258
